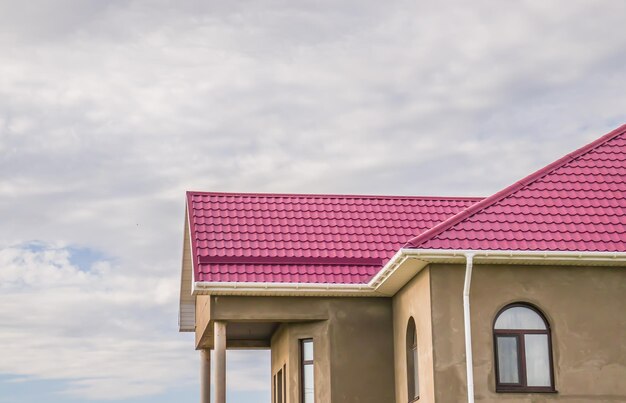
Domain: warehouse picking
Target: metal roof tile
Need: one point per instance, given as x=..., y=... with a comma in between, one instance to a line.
x=308, y=226
x=577, y=203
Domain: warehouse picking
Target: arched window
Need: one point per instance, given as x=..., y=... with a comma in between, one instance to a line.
x=411, y=361
x=523, y=350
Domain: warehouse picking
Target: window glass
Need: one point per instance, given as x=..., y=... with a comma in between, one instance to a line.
x=309, y=390
x=307, y=350
x=507, y=359
x=520, y=317
x=537, y=360
x=307, y=371
x=416, y=383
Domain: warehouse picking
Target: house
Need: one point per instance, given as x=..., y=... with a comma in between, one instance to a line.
x=518, y=297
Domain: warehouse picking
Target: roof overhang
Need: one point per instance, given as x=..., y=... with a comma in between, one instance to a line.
x=187, y=302
x=399, y=270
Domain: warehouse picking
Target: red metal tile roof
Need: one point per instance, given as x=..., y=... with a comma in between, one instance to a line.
x=577, y=203
x=239, y=237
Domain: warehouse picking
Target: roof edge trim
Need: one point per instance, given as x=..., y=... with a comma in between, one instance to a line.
x=186, y=322
x=332, y=195
x=282, y=289
x=190, y=223
x=489, y=254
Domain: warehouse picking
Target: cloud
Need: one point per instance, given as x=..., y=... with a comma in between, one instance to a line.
x=108, y=333
x=103, y=331
x=109, y=111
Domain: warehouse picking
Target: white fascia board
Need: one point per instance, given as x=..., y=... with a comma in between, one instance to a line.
x=283, y=289
x=404, y=265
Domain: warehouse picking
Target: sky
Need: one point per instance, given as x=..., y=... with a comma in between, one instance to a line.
x=111, y=110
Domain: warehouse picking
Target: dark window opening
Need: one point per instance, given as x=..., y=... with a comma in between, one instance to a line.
x=412, y=367
x=279, y=386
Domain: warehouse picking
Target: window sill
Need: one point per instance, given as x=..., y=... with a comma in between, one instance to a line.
x=526, y=390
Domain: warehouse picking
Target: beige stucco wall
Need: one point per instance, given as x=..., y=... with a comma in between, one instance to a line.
x=413, y=300
x=203, y=317
x=286, y=351
x=353, y=342
x=586, y=308
x=280, y=358
x=360, y=332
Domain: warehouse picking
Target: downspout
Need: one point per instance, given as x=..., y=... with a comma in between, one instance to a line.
x=468, y=327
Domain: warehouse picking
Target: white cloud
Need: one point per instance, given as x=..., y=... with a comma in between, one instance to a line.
x=109, y=334
x=109, y=111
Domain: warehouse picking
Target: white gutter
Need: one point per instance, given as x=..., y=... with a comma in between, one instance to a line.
x=469, y=363
x=286, y=288
x=494, y=255
x=395, y=265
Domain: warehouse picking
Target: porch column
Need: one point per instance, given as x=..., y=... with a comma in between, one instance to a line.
x=220, y=361
x=205, y=376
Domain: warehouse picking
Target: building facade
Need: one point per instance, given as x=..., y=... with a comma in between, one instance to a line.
x=517, y=297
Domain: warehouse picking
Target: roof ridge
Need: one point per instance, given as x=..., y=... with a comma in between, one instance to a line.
x=496, y=197
x=322, y=195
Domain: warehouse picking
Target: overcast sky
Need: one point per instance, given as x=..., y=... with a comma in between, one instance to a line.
x=110, y=110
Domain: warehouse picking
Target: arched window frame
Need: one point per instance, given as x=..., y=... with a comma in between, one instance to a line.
x=522, y=386
x=412, y=361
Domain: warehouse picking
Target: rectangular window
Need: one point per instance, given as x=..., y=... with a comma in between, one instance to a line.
x=279, y=386
x=307, y=373
x=285, y=383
